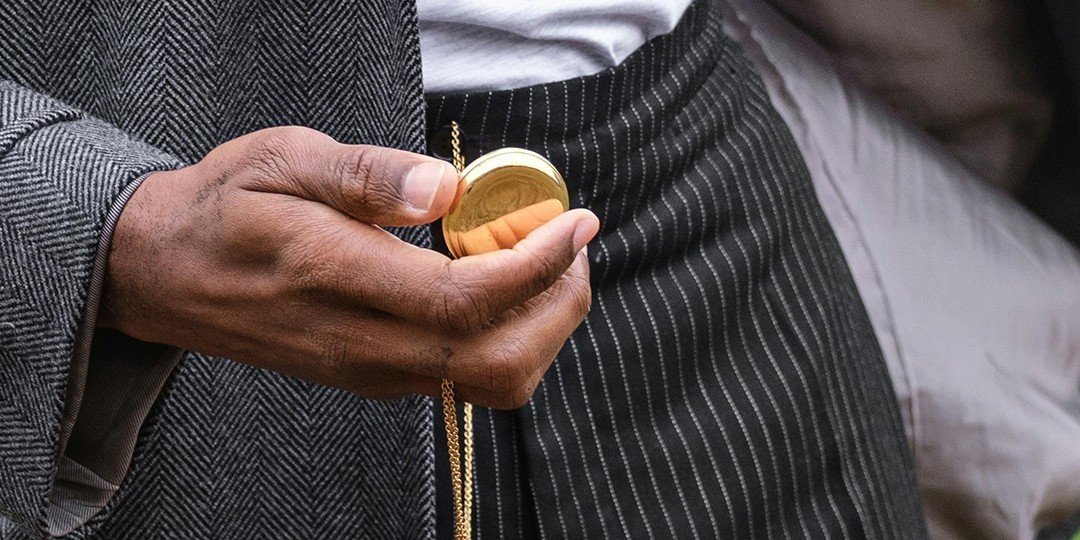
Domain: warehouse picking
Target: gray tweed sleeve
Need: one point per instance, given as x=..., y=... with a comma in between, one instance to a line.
x=67, y=424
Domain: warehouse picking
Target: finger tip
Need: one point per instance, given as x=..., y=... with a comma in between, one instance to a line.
x=585, y=229
x=449, y=173
x=445, y=193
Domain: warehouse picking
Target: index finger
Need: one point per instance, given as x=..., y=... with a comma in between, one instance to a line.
x=374, y=269
x=475, y=289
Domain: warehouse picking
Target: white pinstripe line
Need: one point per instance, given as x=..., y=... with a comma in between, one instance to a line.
x=742, y=334
x=442, y=102
x=884, y=500
x=712, y=354
x=573, y=342
x=577, y=436
x=495, y=476
x=693, y=327
x=747, y=299
x=542, y=391
x=757, y=325
x=520, y=504
x=541, y=530
x=528, y=117
x=876, y=477
x=728, y=355
x=835, y=395
x=602, y=379
x=814, y=227
x=577, y=362
x=704, y=395
x=567, y=469
x=805, y=275
x=484, y=115
x=785, y=223
x=618, y=347
x=506, y=122
x=628, y=395
x=859, y=454
x=645, y=179
x=770, y=239
x=565, y=124
x=769, y=353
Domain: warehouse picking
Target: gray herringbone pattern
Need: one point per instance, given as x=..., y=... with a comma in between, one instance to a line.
x=230, y=452
x=54, y=192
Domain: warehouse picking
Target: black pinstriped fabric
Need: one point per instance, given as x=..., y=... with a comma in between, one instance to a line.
x=727, y=381
x=229, y=451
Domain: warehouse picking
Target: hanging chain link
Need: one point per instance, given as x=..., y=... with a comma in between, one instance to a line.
x=455, y=142
x=460, y=481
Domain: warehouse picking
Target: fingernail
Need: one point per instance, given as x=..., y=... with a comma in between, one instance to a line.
x=585, y=231
x=422, y=184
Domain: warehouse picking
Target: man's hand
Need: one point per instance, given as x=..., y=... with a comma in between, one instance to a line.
x=269, y=251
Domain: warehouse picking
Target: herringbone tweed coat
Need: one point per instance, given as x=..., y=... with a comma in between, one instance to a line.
x=94, y=94
x=726, y=383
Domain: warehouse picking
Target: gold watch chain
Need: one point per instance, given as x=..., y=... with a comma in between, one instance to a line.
x=460, y=481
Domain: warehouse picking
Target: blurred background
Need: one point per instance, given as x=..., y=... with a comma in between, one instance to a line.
x=996, y=81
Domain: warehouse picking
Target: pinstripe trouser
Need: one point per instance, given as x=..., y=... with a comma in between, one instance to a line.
x=727, y=381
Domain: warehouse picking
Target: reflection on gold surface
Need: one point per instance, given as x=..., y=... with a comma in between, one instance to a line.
x=502, y=197
x=505, y=231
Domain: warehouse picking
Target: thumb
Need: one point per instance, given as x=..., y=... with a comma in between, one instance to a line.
x=392, y=188
x=381, y=186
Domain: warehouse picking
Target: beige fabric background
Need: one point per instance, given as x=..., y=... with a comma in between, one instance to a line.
x=954, y=67
x=975, y=302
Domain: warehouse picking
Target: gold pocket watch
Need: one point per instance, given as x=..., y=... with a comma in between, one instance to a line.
x=501, y=197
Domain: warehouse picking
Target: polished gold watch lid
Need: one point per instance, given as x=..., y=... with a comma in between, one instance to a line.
x=501, y=198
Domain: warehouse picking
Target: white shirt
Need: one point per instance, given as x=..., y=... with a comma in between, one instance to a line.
x=478, y=45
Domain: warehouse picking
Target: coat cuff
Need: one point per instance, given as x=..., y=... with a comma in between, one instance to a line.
x=113, y=382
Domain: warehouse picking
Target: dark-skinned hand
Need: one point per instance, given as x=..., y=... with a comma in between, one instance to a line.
x=271, y=252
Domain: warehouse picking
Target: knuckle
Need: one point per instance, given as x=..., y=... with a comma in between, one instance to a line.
x=360, y=177
x=275, y=149
x=521, y=396
x=509, y=367
x=548, y=267
x=462, y=306
x=311, y=271
x=437, y=361
x=515, y=398
x=580, y=292
x=353, y=168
